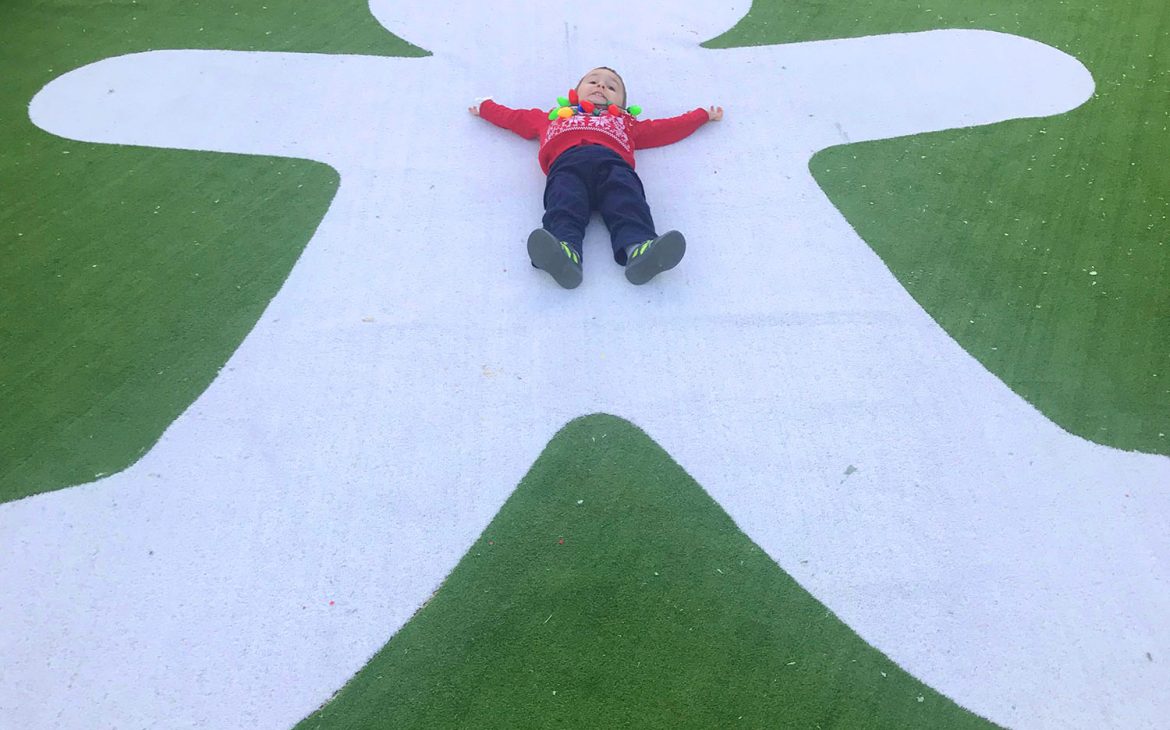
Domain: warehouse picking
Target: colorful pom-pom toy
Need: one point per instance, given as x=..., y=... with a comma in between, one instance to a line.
x=572, y=104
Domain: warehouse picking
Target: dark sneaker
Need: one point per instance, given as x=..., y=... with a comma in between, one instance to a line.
x=558, y=258
x=651, y=258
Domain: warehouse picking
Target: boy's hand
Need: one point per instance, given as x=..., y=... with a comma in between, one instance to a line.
x=714, y=113
x=475, y=108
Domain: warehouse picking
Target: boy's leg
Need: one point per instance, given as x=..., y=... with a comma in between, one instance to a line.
x=622, y=201
x=556, y=248
x=566, y=199
x=623, y=205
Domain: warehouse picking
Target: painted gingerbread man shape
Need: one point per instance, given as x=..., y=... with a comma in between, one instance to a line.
x=385, y=405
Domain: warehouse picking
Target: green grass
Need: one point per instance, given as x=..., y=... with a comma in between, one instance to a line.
x=612, y=591
x=130, y=275
x=1040, y=246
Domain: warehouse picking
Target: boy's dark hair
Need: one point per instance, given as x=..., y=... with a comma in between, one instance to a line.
x=625, y=92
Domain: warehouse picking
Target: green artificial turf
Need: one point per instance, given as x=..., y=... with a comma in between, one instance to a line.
x=612, y=591
x=130, y=275
x=1041, y=245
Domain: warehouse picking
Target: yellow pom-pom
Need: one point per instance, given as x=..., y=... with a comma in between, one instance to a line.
x=565, y=112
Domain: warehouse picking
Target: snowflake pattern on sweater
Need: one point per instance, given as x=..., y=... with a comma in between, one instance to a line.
x=607, y=124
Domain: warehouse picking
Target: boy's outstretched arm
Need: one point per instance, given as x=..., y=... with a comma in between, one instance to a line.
x=659, y=132
x=528, y=123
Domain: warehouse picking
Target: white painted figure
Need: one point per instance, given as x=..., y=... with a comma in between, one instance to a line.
x=385, y=406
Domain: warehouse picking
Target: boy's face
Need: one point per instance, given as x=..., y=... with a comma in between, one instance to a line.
x=602, y=86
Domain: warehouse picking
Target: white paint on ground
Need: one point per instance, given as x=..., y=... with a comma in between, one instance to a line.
x=353, y=447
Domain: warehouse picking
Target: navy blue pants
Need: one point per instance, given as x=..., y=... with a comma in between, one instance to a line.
x=591, y=178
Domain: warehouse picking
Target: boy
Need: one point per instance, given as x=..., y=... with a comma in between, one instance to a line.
x=589, y=160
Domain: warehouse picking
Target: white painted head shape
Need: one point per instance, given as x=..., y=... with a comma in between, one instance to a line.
x=458, y=27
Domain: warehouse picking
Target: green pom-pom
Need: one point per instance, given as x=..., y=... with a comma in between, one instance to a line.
x=635, y=110
x=553, y=114
x=562, y=101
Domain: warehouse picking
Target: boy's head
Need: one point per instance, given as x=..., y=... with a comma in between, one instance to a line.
x=602, y=86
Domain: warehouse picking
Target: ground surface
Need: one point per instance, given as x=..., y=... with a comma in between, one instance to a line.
x=929, y=510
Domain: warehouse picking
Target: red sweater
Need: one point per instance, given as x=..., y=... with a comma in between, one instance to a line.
x=622, y=134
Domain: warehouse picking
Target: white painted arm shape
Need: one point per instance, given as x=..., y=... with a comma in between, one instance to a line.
x=285, y=104
x=896, y=85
